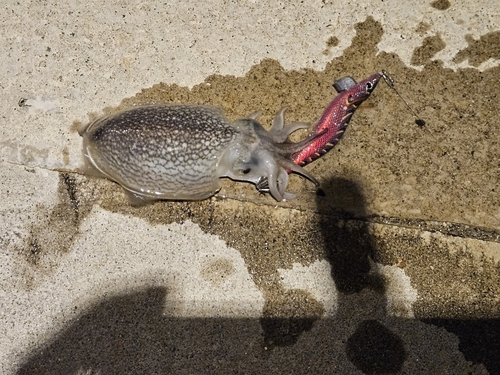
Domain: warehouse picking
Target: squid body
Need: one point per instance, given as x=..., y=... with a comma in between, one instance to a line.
x=180, y=152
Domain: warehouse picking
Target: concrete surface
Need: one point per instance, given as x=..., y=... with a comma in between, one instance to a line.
x=392, y=267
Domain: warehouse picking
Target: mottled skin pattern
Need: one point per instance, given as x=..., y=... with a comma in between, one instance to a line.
x=335, y=118
x=161, y=151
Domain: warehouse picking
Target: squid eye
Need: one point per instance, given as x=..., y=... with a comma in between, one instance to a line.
x=246, y=171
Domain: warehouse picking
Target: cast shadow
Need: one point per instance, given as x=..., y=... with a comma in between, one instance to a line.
x=118, y=328
x=373, y=348
x=130, y=334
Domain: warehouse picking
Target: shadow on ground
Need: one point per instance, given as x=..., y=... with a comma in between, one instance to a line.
x=479, y=341
x=372, y=348
x=129, y=334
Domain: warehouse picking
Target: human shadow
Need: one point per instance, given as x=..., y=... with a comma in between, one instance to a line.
x=130, y=334
x=375, y=347
x=479, y=339
x=118, y=328
x=372, y=348
x=349, y=247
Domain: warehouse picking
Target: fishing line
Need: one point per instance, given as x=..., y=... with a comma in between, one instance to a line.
x=390, y=82
x=418, y=120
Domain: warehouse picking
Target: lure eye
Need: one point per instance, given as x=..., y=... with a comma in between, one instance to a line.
x=369, y=86
x=246, y=171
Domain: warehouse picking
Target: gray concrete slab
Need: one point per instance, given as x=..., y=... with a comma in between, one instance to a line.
x=392, y=267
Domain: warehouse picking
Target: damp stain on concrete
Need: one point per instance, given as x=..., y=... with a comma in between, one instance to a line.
x=441, y=4
x=452, y=281
x=271, y=239
x=422, y=28
x=217, y=271
x=480, y=50
x=53, y=230
x=388, y=166
x=430, y=46
x=332, y=41
x=65, y=153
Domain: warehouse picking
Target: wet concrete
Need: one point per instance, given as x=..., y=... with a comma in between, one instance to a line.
x=403, y=211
